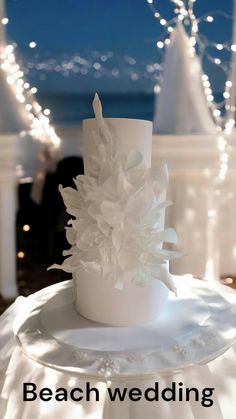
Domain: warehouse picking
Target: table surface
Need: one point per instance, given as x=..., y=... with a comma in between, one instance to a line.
x=17, y=368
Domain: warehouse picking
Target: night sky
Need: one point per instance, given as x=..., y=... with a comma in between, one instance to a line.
x=62, y=28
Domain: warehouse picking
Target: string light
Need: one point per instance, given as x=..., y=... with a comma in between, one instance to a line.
x=5, y=21
x=163, y=22
x=184, y=12
x=21, y=255
x=40, y=127
x=32, y=44
x=228, y=83
x=26, y=228
x=160, y=44
x=209, y=19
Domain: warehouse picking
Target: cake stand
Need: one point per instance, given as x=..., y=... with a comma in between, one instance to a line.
x=198, y=326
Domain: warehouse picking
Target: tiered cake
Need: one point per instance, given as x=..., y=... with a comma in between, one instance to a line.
x=120, y=269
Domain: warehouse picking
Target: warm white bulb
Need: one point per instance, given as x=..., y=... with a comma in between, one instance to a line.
x=5, y=21
x=9, y=49
x=160, y=44
x=34, y=90
x=192, y=41
x=32, y=44
x=10, y=80
x=209, y=19
x=21, y=255
x=210, y=98
x=46, y=112
x=208, y=91
x=219, y=47
x=20, y=82
x=216, y=112
x=20, y=97
x=157, y=89
x=233, y=47
x=163, y=22
x=97, y=66
x=226, y=95
x=228, y=83
x=183, y=11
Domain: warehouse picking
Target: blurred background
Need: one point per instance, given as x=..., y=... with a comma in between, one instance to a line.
x=109, y=47
x=54, y=56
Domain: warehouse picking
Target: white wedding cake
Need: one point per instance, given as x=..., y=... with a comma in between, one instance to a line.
x=120, y=269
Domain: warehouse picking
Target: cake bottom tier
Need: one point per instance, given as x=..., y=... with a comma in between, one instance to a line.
x=97, y=299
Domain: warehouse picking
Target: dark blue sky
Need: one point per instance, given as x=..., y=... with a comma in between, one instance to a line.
x=64, y=28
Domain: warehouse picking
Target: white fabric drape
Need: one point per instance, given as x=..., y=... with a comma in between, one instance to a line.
x=181, y=104
x=16, y=368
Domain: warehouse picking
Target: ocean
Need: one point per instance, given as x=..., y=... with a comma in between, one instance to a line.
x=73, y=108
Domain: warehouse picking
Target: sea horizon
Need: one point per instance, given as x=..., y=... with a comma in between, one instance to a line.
x=71, y=108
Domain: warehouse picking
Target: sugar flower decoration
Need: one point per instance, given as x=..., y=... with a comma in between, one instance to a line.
x=116, y=216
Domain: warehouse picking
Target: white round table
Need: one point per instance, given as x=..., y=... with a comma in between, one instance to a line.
x=17, y=368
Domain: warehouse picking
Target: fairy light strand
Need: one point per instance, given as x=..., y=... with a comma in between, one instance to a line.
x=39, y=122
x=184, y=11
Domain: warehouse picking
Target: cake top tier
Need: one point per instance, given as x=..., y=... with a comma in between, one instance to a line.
x=127, y=134
x=117, y=229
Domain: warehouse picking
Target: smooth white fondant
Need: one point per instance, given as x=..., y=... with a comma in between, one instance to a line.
x=97, y=299
x=129, y=134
